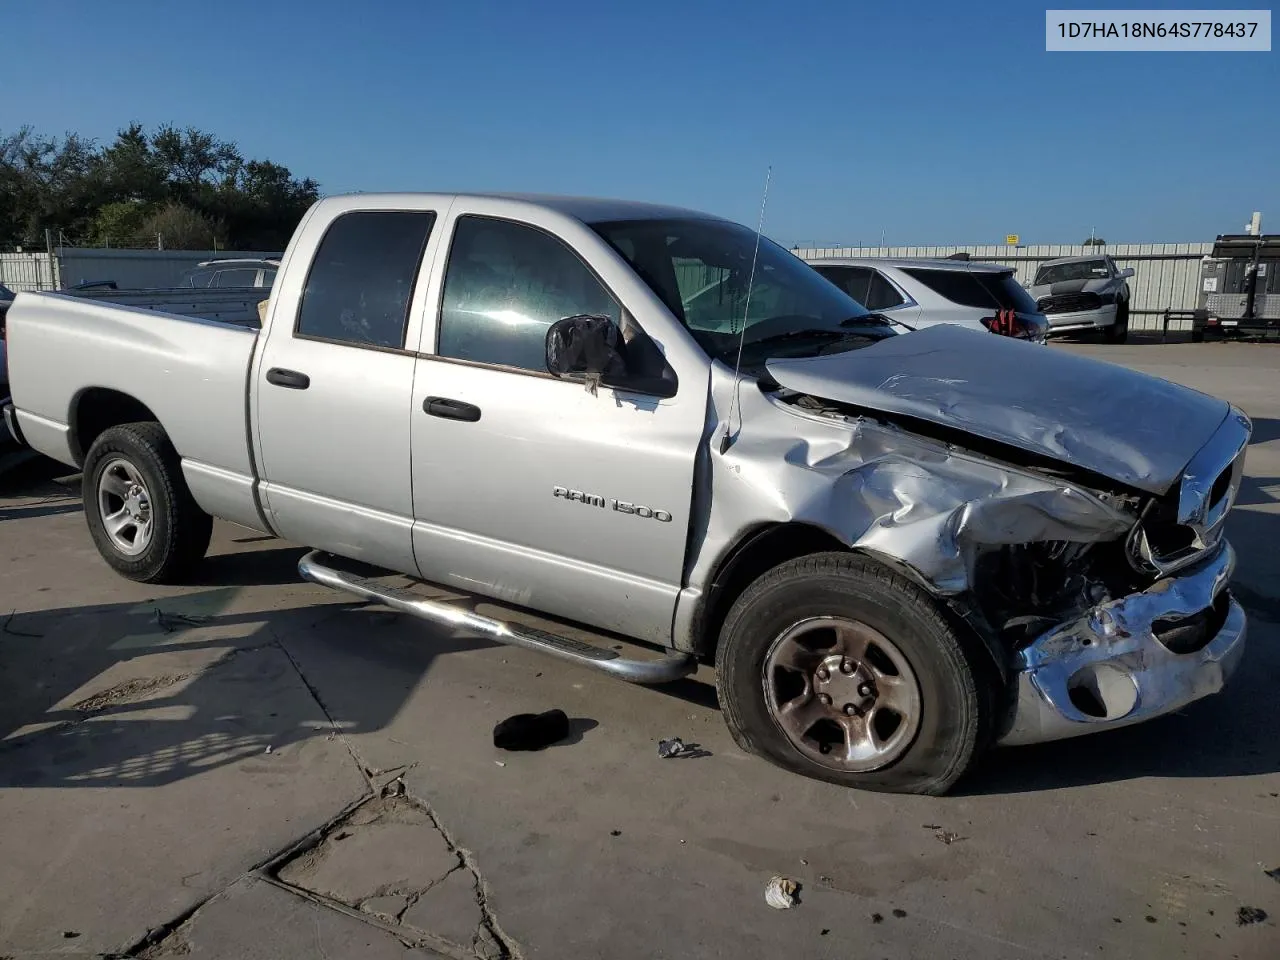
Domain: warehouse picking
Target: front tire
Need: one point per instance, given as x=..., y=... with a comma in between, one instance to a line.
x=836, y=668
x=141, y=515
x=1118, y=332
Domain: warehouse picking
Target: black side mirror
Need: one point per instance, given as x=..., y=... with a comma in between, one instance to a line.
x=586, y=345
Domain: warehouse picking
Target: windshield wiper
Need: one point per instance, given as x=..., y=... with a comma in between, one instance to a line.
x=877, y=319
x=820, y=334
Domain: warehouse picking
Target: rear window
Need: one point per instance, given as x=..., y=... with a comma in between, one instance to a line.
x=981, y=289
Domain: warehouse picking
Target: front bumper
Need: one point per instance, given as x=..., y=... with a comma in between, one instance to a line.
x=1103, y=317
x=1109, y=668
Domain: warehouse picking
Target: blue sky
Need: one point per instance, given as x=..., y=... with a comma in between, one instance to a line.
x=922, y=123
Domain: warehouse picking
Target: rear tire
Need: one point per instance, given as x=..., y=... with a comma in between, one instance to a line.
x=141, y=515
x=774, y=668
x=1118, y=332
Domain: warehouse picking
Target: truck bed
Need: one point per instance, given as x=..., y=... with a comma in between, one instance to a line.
x=71, y=354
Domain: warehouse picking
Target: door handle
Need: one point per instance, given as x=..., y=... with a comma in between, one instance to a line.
x=288, y=378
x=451, y=409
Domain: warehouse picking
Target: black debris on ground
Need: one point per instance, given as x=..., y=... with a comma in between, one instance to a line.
x=899, y=913
x=877, y=918
x=531, y=731
x=1248, y=915
x=1273, y=874
x=1150, y=918
x=615, y=833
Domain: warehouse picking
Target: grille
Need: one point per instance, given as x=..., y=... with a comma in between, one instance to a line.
x=1069, y=302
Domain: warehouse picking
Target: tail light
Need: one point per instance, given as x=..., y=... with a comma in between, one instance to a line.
x=1007, y=323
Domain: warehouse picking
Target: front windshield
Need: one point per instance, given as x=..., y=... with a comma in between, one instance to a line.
x=701, y=269
x=1067, y=272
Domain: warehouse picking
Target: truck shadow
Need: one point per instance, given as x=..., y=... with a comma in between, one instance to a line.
x=137, y=695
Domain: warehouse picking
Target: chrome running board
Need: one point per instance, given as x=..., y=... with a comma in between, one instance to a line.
x=321, y=568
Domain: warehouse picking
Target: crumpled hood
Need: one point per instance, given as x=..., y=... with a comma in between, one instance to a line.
x=1135, y=429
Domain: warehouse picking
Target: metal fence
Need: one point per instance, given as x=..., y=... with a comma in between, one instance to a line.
x=1166, y=275
x=130, y=269
x=29, y=272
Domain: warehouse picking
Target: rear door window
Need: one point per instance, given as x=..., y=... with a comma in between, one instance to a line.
x=362, y=278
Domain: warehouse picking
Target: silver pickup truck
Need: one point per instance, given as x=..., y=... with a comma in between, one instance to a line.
x=896, y=550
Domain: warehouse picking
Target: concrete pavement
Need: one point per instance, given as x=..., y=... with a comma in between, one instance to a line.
x=253, y=766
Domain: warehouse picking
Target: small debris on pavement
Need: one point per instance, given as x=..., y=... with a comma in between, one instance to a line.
x=804, y=861
x=169, y=622
x=531, y=731
x=780, y=893
x=947, y=837
x=268, y=750
x=615, y=833
x=825, y=931
x=501, y=763
x=670, y=748
x=1273, y=874
x=1150, y=918
x=877, y=918
x=899, y=913
x=1248, y=915
x=675, y=747
x=70, y=934
x=930, y=826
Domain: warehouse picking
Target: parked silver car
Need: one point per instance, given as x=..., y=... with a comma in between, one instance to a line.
x=238, y=272
x=1084, y=293
x=922, y=293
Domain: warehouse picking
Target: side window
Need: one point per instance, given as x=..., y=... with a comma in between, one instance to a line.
x=242, y=277
x=882, y=294
x=855, y=281
x=505, y=284
x=362, y=277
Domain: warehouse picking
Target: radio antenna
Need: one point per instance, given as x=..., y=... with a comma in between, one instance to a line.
x=727, y=440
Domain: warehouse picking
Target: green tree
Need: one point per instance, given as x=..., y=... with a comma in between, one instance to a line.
x=85, y=192
x=182, y=228
x=122, y=222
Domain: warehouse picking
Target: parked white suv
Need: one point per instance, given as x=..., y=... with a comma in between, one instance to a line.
x=922, y=293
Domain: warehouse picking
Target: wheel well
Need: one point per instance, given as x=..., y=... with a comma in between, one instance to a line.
x=755, y=555
x=98, y=409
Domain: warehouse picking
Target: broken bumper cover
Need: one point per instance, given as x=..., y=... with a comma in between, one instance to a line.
x=1128, y=660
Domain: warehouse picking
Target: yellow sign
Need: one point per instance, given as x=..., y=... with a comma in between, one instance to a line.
x=1011, y=239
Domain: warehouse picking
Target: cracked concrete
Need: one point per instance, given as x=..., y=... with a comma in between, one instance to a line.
x=389, y=859
x=386, y=847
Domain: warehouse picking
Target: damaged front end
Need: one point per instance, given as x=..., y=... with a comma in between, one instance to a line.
x=1103, y=603
x=1176, y=637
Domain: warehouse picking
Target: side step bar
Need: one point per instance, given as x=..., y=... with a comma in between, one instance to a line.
x=319, y=567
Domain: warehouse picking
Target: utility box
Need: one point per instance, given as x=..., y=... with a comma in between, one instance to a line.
x=1239, y=286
